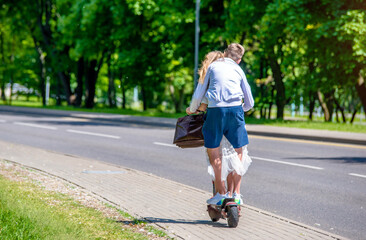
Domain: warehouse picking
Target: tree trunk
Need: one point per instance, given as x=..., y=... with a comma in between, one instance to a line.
x=312, y=99
x=361, y=90
x=326, y=103
x=354, y=113
x=42, y=66
x=43, y=21
x=2, y=83
x=279, y=85
x=144, y=100
x=312, y=94
x=3, y=97
x=111, y=86
x=92, y=72
x=91, y=79
x=42, y=82
x=80, y=82
x=11, y=71
x=329, y=101
x=123, y=89
x=341, y=109
x=269, y=110
x=65, y=81
x=58, y=92
x=262, y=92
x=261, y=75
x=336, y=113
x=270, y=104
x=11, y=88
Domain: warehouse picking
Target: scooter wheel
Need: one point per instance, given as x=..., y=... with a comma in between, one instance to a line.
x=214, y=214
x=233, y=216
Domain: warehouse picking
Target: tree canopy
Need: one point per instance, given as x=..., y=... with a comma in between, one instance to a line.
x=309, y=52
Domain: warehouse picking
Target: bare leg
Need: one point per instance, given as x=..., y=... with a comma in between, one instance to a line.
x=230, y=183
x=236, y=177
x=215, y=161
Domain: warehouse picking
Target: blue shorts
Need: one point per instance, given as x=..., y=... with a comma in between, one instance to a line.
x=225, y=121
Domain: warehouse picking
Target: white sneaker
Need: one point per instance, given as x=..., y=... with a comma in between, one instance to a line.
x=227, y=195
x=238, y=198
x=216, y=200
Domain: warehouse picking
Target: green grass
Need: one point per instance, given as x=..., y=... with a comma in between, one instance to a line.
x=28, y=212
x=331, y=126
x=316, y=124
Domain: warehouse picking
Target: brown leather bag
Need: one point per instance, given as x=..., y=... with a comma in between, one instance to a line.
x=188, y=131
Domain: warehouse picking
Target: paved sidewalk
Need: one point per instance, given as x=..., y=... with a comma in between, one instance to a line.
x=158, y=200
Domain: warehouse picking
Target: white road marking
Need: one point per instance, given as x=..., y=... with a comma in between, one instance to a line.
x=35, y=125
x=357, y=175
x=104, y=172
x=165, y=144
x=287, y=163
x=93, y=134
x=258, y=158
x=2, y=121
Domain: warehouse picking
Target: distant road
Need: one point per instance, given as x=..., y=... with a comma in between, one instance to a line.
x=322, y=185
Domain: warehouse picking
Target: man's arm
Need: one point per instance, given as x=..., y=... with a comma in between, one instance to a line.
x=248, y=97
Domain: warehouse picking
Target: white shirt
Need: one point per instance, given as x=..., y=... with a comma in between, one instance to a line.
x=225, y=85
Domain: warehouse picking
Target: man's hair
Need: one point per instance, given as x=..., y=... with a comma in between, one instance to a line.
x=234, y=51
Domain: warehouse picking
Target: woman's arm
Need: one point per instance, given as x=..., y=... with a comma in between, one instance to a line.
x=202, y=107
x=199, y=93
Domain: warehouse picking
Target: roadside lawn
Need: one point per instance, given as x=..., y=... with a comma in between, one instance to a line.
x=34, y=205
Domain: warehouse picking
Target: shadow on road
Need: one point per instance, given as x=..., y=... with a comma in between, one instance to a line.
x=344, y=159
x=42, y=116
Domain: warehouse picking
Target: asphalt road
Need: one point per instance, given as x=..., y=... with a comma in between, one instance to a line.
x=319, y=184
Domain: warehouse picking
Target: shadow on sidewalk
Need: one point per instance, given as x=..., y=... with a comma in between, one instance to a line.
x=182, y=221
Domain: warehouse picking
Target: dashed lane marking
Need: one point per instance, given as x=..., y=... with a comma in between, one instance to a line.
x=35, y=125
x=261, y=159
x=357, y=175
x=165, y=144
x=93, y=134
x=287, y=163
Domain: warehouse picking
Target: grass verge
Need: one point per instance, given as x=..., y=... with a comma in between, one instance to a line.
x=29, y=211
x=330, y=126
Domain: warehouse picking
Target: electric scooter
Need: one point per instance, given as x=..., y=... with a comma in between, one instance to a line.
x=228, y=209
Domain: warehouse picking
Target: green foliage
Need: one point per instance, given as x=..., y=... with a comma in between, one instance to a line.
x=295, y=49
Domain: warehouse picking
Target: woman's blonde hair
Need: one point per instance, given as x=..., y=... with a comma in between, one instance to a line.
x=209, y=58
